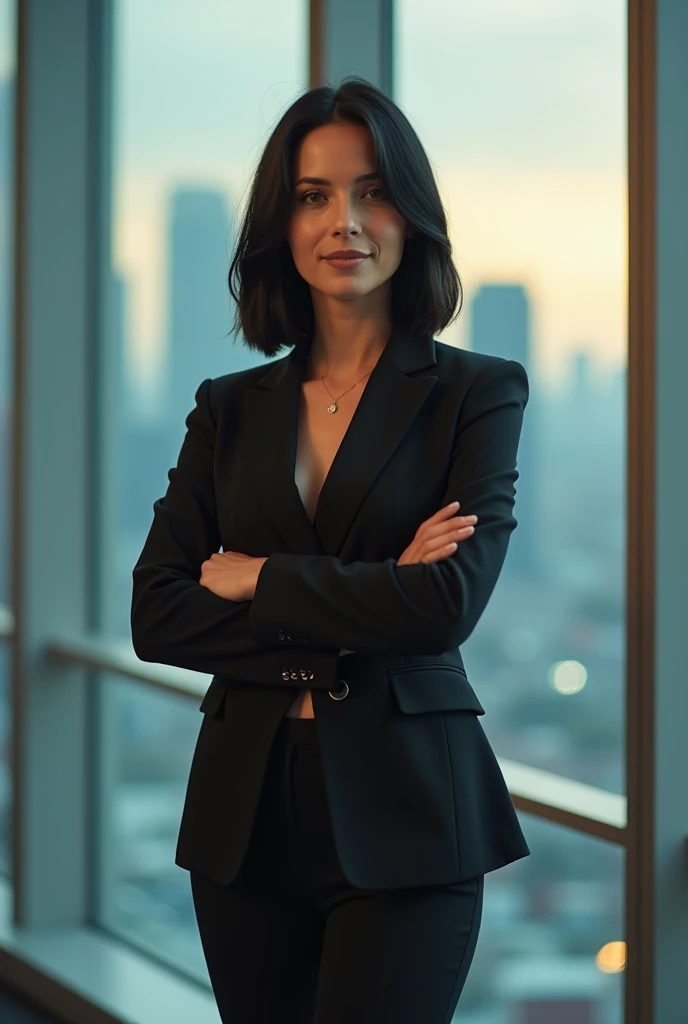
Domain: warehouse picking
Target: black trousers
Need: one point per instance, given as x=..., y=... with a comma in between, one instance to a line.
x=291, y=940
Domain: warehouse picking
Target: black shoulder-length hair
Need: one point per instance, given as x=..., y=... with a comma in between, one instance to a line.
x=273, y=302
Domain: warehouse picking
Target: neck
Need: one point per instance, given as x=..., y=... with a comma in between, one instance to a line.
x=346, y=345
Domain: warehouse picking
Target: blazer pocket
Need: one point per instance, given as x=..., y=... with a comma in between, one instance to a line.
x=213, y=702
x=420, y=688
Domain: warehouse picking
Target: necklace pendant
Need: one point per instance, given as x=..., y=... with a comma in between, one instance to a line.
x=333, y=407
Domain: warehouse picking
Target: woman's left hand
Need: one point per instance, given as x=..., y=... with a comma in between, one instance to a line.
x=231, y=574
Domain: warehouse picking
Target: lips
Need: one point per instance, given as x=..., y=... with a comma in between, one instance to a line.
x=346, y=254
x=346, y=262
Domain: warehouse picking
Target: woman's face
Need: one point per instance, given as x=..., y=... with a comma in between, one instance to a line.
x=340, y=212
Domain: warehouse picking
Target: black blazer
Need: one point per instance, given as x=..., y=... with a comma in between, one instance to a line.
x=415, y=791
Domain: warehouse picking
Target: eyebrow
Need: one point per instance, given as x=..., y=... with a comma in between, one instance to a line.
x=370, y=176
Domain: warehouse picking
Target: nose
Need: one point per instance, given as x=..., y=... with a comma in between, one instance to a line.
x=345, y=216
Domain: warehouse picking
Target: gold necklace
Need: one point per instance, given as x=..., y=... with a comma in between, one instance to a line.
x=334, y=407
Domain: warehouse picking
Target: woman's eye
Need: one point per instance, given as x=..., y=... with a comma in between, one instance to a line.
x=315, y=192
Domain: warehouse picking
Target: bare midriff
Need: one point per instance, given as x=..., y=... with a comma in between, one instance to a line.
x=302, y=706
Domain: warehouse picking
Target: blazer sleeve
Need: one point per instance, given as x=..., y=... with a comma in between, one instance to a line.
x=426, y=607
x=175, y=620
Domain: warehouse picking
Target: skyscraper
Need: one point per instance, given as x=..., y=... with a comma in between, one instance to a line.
x=199, y=303
x=501, y=326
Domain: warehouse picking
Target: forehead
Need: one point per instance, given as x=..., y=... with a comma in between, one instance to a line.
x=336, y=151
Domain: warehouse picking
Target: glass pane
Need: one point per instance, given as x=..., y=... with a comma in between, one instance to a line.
x=523, y=114
x=194, y=100
x=148, y=743
x=550, y=949
x=7, y=80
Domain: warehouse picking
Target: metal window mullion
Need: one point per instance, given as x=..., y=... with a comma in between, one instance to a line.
x=351, y=37
x=48, y=481
x=639, y=925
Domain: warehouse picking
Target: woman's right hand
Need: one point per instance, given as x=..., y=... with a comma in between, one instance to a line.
x=439, y=536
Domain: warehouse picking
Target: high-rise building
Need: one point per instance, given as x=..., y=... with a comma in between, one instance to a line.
x=199, y=304
x=501, y=326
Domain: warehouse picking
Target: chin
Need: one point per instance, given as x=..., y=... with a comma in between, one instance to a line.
x=346, y=286
x=348, y=293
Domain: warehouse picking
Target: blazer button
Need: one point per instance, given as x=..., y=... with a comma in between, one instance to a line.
x=294, y=674
x=285, y=673
x=280, y=634
x=340, y=694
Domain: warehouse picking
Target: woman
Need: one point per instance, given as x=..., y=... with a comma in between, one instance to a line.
x=343, y=803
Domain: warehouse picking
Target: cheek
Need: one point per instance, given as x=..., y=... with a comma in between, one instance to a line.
x=301, y=246
x=391, y=236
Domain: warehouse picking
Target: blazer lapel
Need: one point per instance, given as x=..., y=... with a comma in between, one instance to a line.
x=271, y=411
x=388, y=406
